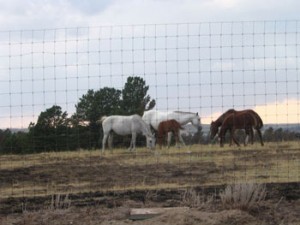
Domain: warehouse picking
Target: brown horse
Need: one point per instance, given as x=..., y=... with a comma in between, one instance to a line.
x=165, y=127
x=257, y=124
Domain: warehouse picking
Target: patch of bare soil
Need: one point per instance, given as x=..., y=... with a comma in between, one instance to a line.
x=269, y=212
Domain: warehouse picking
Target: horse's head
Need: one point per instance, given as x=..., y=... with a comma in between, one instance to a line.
x=196, y=120
x=150, y=139
x=214, y=128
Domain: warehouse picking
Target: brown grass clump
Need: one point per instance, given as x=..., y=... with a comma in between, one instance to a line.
x=60, y=202
x=193, y=199
x=244, y=196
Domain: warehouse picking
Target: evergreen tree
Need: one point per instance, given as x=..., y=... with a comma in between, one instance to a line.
x=95, y=104
x=135, y=99
x=51, y=130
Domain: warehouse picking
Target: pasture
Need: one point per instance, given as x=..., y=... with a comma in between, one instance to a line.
x=29, y=181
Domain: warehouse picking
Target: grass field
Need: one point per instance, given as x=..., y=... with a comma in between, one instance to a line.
x=90, y=187
x=119, y=170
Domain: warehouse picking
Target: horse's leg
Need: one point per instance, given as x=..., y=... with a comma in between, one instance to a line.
x=246, y=140
x=131, y=143
x=222, y=136
x=176, y=138
x=247, y=137
x=169, y=139
x=233, y=137
x=104, y=141
x=181, y=139
x=133, y=140
x=252, y=135
x=260, y=137
x=110, y=140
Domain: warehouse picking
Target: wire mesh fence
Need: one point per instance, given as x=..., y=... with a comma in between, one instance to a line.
x=55, y=84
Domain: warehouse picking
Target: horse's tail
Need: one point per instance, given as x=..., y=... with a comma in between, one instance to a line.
x=101, y=120
x=258, y=121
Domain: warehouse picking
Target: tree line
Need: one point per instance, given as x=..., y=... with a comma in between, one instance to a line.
x=55, y=130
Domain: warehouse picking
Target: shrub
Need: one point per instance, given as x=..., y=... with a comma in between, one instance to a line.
x=191, y=198
x=244, y=196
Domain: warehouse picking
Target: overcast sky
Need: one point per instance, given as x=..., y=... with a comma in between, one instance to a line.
x=48, y=48
x=36, y=14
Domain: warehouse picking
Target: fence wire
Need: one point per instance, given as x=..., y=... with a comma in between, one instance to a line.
x=51, y=77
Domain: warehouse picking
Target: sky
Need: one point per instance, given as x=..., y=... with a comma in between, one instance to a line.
x=41, y=14
x=205, y=56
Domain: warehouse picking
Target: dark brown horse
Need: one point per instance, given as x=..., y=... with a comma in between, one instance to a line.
x=165, y=127
x=252, y=115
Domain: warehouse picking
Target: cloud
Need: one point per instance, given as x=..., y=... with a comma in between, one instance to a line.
x=90, y=7
x=287, y=111
x=256, y=85
x=36, y=14
x=281, y=112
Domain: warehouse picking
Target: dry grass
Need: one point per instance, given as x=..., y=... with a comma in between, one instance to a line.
x=244, y=196
x=81, y=171
x=59, y=201
x=192, y=199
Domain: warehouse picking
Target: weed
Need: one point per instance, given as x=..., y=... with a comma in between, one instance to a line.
x=193, y=199
x=244, y=196
x=60, y=202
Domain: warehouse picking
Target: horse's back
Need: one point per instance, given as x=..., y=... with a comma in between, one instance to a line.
x=169, y=125
x=119, y=124
x=257, y=119
x=238, y=119
x=154, y=117
x=254, y=115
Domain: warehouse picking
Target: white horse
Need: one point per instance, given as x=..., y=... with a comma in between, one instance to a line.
x=125, y=125
x=154, y=117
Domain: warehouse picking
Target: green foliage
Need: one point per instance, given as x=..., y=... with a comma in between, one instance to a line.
x=135, y=98
x=95, y=104
x=15, y=143
x=55, y=131
x=51, y=130
x=279, y=135
x=90, y=108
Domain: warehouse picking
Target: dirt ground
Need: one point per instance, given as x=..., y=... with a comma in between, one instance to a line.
x=269, y=212
x=88, y=171
x=101, y=189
